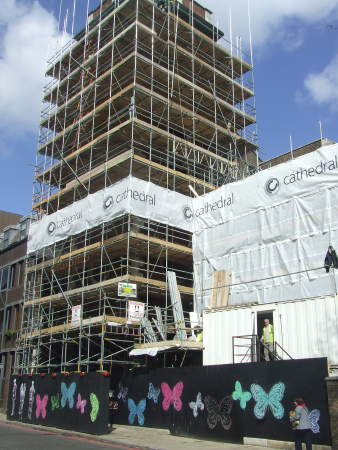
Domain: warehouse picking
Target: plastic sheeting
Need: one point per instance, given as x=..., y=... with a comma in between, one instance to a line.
x=271, y=231
x=130, y=195
x=152, y=351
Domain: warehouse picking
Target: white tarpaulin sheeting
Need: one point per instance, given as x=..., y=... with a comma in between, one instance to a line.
x=271, y=231
x=131, y=195
x=152, y=351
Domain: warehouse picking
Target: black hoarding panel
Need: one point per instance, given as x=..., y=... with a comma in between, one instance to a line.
x=227, y=402
x=71, y=402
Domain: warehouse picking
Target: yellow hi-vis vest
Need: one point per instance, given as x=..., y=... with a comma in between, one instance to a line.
x=270, y=333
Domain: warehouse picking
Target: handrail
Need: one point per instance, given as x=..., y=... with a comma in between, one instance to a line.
x=253, y=349
x=282, y=349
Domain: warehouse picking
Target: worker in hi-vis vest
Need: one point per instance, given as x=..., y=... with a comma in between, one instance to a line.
x=267, y=339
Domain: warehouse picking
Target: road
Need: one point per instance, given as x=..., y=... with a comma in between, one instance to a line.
x=17, y=437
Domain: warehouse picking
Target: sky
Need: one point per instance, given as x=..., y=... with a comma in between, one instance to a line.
x=295, y=50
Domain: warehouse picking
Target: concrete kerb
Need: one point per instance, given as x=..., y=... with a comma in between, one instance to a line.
x=161, y=439
x=269, y=444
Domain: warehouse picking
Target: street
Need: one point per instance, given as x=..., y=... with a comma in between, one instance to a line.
x=17, y=437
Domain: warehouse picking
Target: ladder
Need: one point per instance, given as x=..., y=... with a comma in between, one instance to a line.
x=176, y=303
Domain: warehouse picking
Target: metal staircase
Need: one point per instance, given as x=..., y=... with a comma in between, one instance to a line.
x=249, y=348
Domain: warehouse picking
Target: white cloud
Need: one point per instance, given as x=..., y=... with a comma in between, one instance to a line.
x=268, y=17
x=323, y=86
x=27, y=30
x=10, y=9
x=291, y=39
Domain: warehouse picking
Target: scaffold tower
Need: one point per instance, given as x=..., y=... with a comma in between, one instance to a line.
x=150, y=89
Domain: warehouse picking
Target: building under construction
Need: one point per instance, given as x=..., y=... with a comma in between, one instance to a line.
x=152, y=90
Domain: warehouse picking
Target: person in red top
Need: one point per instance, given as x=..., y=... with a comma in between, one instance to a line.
x=301, y=424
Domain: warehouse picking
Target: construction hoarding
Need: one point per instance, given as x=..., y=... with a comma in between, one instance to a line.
x=76, y=401
x=226, y=402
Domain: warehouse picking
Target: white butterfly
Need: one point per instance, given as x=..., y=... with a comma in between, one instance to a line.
x=314, y=416
x=198, y=404
x=153, y=393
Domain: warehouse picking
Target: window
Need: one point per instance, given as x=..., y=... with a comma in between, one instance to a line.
x=4, y=274
x=11, y=276
x=7, y=276
x=24, y=224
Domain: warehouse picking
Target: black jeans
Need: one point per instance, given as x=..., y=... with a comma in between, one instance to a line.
x=303, y=436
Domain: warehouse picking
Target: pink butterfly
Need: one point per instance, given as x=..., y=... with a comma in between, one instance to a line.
x=81, y=403
x=41, y=406
x=172, y=396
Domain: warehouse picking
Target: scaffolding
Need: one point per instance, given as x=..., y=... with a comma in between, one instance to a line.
x=150, y=89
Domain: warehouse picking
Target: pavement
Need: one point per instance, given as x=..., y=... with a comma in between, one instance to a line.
x=18, y=437
x=144, y=438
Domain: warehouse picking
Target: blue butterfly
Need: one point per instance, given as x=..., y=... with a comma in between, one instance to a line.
x=136, y=410
x=314, y=416
x=67, y=394
x=270, y=400
x=153, y=393
x=242, y=396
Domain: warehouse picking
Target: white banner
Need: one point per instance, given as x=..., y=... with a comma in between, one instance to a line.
x=130, y=195
x=135, y=311
x=271, y=231
x=265, y=189
x=76, y=314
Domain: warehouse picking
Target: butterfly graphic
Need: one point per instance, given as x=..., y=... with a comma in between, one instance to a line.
x=123, y=393
x=55, y=401
x=242, y=396
x=314, y=416
x=136, y=410
x=22, y=397
x=172, y=396
x=67, y=394
x=219, y=412
x=95, y=404
x=198, y=404
x=31, y=400
x=81, y=403
x=270, y=400
x=41, y=405
x=15, y=387
x=153, y=393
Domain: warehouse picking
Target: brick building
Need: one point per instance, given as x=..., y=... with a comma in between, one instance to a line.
x=13, y=246
x=296, y=152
